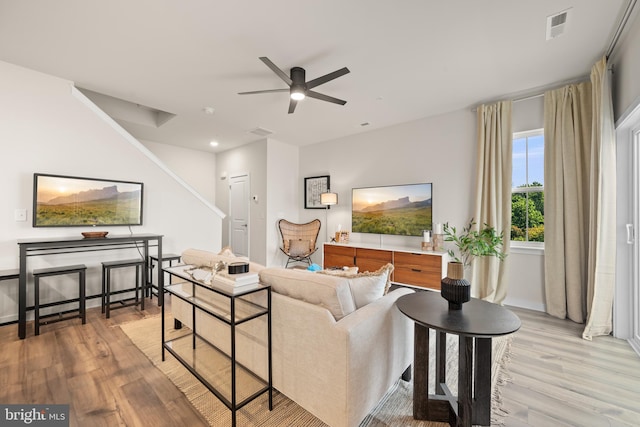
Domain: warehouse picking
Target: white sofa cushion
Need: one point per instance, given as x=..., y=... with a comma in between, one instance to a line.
x=332, y=293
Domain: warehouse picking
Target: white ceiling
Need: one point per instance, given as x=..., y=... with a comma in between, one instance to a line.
x=408, y=59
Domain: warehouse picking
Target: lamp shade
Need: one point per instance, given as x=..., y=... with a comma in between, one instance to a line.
x=328, y=199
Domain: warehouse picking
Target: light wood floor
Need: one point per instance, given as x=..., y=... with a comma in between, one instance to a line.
x=558, y=379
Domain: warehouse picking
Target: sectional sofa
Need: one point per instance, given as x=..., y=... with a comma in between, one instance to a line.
x=338, y=341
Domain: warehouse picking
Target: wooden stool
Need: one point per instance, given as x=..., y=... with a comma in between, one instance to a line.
x=107, y=266
x=154, y=258
x=13, y=274
x=59, y=271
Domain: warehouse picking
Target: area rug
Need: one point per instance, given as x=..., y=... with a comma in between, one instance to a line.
x=395, y=409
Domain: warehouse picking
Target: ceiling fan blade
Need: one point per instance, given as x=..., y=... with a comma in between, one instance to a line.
x=327, y=77
x=316, y=95
x=263, y=91
x=276, y=70
x=292, y=105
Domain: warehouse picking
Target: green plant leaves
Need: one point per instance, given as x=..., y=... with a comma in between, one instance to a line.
x=474, y=243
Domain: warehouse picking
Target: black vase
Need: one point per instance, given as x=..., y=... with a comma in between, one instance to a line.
x=455, y=288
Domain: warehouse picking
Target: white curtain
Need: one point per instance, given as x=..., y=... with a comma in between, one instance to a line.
x=493, y=196
x=580, y=187
x=602, y=209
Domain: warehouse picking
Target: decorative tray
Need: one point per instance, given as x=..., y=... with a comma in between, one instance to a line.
x=94, y=234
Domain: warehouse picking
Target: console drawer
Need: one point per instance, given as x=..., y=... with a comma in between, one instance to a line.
x=338, y=256
x=418, y=269
x=372, y=259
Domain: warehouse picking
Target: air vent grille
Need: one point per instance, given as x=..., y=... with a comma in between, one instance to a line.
x=261, y=131
x=557, y=24
x=558, y=19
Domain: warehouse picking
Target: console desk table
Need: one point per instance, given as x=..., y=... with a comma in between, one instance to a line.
x=41, y=246
x=476, y=323
x=209, y=361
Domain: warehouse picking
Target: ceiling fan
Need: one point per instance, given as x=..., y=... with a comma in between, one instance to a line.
x=298, y=87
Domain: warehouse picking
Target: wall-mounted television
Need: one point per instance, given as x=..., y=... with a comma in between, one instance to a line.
x=71, y=201
x=395, y=209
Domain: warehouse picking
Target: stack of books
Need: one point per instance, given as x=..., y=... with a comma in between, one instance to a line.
x=234, y=281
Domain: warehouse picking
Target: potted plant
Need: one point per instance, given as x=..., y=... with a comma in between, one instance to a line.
x=470, y=243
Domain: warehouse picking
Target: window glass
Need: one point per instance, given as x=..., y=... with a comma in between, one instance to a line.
x=527, y=199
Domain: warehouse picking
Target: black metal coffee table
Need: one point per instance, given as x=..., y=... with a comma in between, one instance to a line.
x=476, y=324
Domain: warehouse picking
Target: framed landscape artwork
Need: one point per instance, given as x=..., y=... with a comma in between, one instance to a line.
x=313, y=187
x=70, y=201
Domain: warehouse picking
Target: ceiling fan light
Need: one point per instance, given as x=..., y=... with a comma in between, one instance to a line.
x=297, y=94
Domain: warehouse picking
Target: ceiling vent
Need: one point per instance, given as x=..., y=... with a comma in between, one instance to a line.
x=557, y=24
x=261, y=131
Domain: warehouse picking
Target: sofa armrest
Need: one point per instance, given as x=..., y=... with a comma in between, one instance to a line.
x=345, y=365
x=370, y=312
x=379, y=349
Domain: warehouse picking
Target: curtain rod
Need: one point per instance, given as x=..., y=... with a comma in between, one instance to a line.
x=621, y=26
x=524, y=98
x=534, y=93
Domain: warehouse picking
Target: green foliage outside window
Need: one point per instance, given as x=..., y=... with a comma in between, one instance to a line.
x=527, y=215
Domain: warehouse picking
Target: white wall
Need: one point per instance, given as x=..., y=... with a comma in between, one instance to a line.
x=440, y=150
x=283, y=197
x=196, y=167
x=47, y=129
x=626, y=65
x=273, y=172
x=248, y=159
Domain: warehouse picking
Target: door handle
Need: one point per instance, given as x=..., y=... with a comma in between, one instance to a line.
x=630, y=234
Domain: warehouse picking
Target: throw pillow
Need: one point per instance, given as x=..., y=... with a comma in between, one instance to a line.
x=368, y=286
x=226, y=251
x=298, y=247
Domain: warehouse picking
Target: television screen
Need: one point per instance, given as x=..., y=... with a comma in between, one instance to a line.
x=69, y=201
x=396, y=209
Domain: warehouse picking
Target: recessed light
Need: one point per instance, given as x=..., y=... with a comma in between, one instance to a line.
x=213, y=143
x=209, y=110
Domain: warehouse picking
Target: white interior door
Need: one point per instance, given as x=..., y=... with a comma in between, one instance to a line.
x=239, y=214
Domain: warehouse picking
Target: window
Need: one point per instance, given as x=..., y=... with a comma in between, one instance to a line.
x=527, y=194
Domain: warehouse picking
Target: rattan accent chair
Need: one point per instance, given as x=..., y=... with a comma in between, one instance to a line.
x=299, y=240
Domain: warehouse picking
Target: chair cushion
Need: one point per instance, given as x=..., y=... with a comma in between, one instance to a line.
x=299, y=247
x=368, y=286
x=332, y=293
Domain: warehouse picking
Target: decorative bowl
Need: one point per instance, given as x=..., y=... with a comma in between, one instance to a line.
x=94, y=234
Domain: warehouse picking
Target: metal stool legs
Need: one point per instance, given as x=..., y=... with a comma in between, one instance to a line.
x=139, y=285
x=58, y=271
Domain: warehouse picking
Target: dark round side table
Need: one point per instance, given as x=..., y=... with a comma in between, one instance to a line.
x=476, y=324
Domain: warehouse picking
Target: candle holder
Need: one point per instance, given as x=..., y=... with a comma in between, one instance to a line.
x=427, y=246
x=437, y=241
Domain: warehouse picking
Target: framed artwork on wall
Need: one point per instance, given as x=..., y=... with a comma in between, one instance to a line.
x=313, y=187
